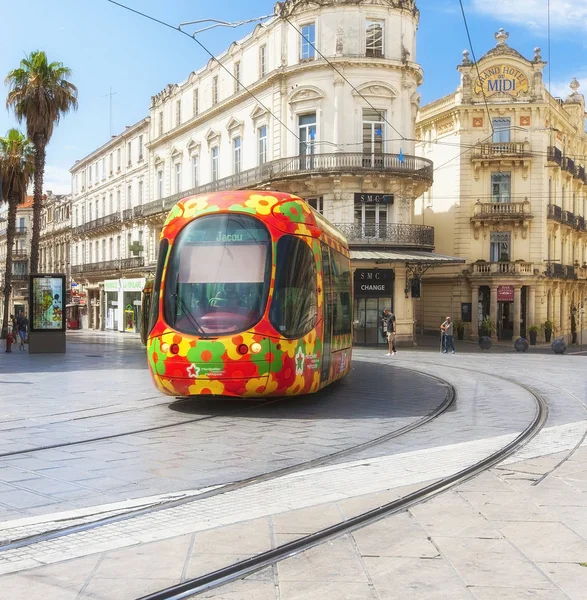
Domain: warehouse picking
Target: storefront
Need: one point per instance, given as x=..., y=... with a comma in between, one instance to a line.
x=123, y=304
x=373, y=293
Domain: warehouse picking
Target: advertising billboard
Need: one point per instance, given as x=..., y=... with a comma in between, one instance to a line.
x=47, y=303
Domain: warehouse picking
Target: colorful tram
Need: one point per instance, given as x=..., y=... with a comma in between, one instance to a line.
x=252, y=297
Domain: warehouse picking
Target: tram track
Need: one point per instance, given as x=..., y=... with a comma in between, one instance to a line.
x=446, y=404
x=249, y=566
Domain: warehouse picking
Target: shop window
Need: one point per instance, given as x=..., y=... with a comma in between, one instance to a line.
x=294, y=308
x=500, y=249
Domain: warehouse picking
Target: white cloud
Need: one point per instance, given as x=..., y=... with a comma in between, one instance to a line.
x=564, y=14
x=57, y=179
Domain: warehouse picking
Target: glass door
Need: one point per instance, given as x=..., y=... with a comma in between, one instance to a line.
x=307, y=137
x=369, y=321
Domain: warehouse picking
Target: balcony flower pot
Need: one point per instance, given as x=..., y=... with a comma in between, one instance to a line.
x=533, y=331
x=487, y=327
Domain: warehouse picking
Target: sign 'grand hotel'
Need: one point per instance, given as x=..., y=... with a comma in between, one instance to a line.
x=501, y=79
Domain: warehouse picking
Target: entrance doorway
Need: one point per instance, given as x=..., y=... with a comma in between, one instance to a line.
x=505, y=320
x=368, y=320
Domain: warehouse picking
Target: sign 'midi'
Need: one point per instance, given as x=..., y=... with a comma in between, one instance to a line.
x=501, y=79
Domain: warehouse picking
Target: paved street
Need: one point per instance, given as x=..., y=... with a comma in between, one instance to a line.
x=484, y=539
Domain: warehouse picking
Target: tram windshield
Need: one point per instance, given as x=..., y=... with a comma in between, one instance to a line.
x=218, y=275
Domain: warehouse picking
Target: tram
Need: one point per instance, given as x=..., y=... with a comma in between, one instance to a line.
x=252, y=297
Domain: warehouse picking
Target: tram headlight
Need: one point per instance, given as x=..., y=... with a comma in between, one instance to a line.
x=164, y=347
x=256, y=348
x=174, y=349
x=243, y=349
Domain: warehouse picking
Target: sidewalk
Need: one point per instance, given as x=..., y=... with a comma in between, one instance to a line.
x=495, y=537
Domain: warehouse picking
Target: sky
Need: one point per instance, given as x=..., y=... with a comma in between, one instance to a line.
x=108, y=48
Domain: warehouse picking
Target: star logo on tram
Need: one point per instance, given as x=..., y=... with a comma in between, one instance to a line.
x=193, y=371
x=300, y=357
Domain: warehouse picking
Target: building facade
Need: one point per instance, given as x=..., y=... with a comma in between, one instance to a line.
x=509, y=196
x=319, y=101
x=20, y=255
x=109, y=240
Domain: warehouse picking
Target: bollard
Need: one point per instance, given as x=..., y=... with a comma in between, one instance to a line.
x=559, y=346
x=485, y=342
x=521, y=345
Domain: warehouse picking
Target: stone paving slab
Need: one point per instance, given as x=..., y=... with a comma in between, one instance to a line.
x=444, y=549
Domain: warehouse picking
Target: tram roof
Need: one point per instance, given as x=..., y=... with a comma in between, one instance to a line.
x=409, y=256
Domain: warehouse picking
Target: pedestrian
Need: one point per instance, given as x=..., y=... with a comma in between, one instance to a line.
x=22, y=330
x=390, y=330
x=447, y=329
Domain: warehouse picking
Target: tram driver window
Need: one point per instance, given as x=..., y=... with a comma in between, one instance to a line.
x=294, y=308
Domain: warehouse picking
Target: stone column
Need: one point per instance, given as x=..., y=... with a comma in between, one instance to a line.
x=493, y=305
x=517, y=310
x=102, y=309
x=474, y=311
x=531, y=313
x=403, y=309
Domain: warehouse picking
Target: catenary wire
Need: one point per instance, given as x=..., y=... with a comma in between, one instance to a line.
x=170, y=26
x=476, y=64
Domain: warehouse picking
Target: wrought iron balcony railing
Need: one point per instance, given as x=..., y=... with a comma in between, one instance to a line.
x=20, y=276
x=568, y=218
x=20, y=253
x=568, y=164
x=500, y=149
x=106, y=221
x=119, y=264
x=390, y=234
x=561, y=271
x=20, y=230
x=555, y=213
x=503, y=268
x=580, y=173
x=555, y=155
x=304, y=165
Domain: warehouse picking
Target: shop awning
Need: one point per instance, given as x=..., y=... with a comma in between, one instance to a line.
x=420, y=257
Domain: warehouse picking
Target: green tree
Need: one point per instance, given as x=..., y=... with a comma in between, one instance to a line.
x=16, y=170
x=40, y=94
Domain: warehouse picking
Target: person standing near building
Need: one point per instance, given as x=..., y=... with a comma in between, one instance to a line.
x=447, y=329
x=23, y=325
x=390, y=327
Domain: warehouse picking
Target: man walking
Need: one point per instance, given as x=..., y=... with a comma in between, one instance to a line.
x=390, y=329
x=447, y=329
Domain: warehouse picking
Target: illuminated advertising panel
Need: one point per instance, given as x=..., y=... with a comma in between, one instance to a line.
x=47, y=302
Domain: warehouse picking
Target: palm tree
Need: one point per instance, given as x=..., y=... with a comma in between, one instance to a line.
x=16, y=170
x=40, y=94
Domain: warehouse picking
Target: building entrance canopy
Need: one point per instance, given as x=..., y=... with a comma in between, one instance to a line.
x=406, y=256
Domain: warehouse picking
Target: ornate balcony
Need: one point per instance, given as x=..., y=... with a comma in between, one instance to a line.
x=554, y=155
x=103, y=223
x=555, y=213
x=20, y=276
x=580, y=173
x=119, y=264
x=314, y=165
x=392, y=234
x=487, y=213
x=20, y=231
x=556, y=270
x=501, y=149
x=487, y=269
x=568, y=218
x=568, y=164
x=20, y=254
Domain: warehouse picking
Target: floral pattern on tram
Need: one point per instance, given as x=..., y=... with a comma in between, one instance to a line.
x=257, y=362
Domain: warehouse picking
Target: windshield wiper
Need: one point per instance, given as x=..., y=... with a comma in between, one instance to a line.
x=186, y=311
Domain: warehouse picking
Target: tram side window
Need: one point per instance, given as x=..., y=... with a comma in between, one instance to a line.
x=294, y=309
x=341, y=283
x=154, y=308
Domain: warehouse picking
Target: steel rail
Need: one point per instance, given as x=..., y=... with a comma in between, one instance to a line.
x=256, y=563
x=52, y=534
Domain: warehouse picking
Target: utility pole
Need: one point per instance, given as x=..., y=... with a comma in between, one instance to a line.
x=110, y=100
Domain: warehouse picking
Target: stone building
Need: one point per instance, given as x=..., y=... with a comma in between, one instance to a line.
x=509, y=196
x=110, y=249
x=319, y=101
x=20, y=255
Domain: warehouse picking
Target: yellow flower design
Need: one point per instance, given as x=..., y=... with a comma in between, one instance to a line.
x=196, y=205
x=212, y=386
x=301, y=229
x=262, y=204
x=256, y=386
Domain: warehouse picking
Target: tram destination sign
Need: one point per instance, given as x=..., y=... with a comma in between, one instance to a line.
x=374, y=282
